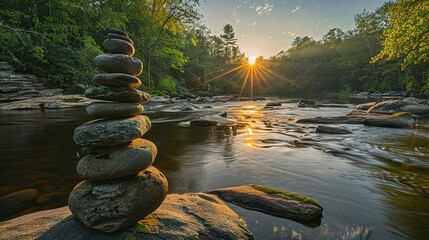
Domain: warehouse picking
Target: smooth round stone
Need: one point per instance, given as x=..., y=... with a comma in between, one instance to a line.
x=114, y=110
x=118, y=161
x=119, y=63
x=124, y=94
x=112, y=205
x=117, y=36
x=117, y=80
x=118, y=31
x=118, y=46
x=102, y=133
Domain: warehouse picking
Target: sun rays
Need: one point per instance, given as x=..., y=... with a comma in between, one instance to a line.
x=252, y=72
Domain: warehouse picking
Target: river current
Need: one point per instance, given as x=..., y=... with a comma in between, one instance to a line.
x=373, y=183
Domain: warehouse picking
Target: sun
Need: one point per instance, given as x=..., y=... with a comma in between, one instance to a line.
x=252, y=60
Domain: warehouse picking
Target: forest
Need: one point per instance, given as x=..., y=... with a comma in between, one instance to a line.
x=57, y=40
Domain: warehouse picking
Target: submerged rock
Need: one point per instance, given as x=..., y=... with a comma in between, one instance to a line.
x=272, y=201
x=307, y=103
x=332, y=130
x=17, y=201
x=103, y=205
x=273, y=104
x=104, y=133
x=203, y=122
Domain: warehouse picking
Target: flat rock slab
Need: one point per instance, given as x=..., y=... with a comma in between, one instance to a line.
x=113, y=205
x=332, y=130
x=397, y=120
x=273, y=202
x=394, y=106
x=52, y=102
x=102, y=133
x=354, y=117
x=117, y=161
x=181, y=216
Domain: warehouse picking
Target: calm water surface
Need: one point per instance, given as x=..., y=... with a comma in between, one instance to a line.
x=373, y=184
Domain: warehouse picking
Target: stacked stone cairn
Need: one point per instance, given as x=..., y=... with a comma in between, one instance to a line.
x=120, y=187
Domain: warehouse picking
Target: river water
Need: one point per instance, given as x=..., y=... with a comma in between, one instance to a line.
x=373, y=183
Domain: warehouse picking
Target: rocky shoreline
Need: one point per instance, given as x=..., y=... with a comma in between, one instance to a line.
x=181, y=216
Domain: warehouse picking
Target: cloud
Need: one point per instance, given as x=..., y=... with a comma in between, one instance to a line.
x=296, y=9
x=264, y=10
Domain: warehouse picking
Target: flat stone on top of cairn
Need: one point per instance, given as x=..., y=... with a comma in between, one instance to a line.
x=120, y=187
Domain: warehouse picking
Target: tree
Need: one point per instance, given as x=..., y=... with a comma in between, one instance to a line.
x=407, y=37
x=230, y=42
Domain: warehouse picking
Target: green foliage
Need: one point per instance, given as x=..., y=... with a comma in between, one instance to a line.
x=167, y=84
x=140, y=228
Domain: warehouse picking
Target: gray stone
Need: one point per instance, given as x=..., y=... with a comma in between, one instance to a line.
x=365, y=106
x=415, y=100
x=113, y=205
x=118, y=31
x=117, y=161
x=118, y=36
x=54, y=102
x=17, y=201
x=117, y=80
x=394, y=106
x=272, y=201
x=398, y=120
x=114, y=110
x=331, y=130
x=120, y=94
x=181, y=216
x=119, y=63
x=307, y=103
x=273, y=104
x=118, y=46
x=52, y=92
x=101, y=133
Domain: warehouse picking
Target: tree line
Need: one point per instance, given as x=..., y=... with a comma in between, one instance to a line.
x=58, y=39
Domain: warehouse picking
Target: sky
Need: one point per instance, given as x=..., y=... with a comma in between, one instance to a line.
x=265, y=27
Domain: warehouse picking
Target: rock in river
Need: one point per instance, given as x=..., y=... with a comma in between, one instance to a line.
x=398, y=120
x=117, y=80
x=120, y=94
x=114, y=110
x=111, y=132
x=331, y=130
x=103, y=205
x=394, y=106
x=119, y=63
x=17, y=201
x=272, y=201
x=118, y=161
x=118, y=46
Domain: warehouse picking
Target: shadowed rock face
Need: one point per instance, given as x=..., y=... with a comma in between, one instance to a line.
x=119, y=63
x=181, y=216
x=112, y=205
x=120, y=94
x=118, y=161
x=114, y=110
x=394, y=106
x=117, y=80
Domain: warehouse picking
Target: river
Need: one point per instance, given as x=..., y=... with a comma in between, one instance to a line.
x=373, y=183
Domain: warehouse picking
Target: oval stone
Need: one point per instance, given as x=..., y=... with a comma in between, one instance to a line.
x=118, y=46
x=117, y=80
x=123, y=94
x=119, y=63
x=118, y=31
x=118, y=161
x=117, y=36
x=112, y=205
x=114, y=110
x=101, y=133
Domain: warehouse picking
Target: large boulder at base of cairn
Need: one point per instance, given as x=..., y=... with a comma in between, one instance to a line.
x=120, y=187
